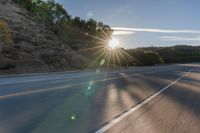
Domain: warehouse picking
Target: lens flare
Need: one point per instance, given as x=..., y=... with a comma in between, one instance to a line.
x=113, y=43
x=108, y=52
x=73, y=117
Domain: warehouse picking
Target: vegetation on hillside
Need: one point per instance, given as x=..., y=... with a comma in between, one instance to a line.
x=177, y=54
x=73, y=31
x=160, y=55
x=5, y=33
x=86, y=36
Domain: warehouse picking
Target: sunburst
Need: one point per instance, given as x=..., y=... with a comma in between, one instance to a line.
x=109, y=49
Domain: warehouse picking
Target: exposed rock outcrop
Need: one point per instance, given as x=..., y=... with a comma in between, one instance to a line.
x=32, y=49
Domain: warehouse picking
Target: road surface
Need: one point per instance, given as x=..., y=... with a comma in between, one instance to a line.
x=159, y=99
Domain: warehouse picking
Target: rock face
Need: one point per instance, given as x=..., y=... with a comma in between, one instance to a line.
x=32, y=49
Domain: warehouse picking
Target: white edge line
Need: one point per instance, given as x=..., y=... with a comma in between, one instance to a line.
x=124, y=115
x=67, y=86
x=62, y=78
x=67, y=78
x=70, y=78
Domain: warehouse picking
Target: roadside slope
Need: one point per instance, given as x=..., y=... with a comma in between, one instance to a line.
x=31, y=49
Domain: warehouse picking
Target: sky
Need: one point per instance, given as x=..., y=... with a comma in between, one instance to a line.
x=143, y=23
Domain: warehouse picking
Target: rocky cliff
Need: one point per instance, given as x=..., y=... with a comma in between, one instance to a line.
x=31, y=48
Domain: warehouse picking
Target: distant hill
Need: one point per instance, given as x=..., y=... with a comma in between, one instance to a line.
x=177, y=54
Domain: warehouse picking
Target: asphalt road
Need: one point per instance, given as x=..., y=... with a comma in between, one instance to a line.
x=159, y=99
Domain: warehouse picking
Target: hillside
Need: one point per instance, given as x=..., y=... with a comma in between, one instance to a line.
x=177, y=54
x=41, y=36
x=29, y=48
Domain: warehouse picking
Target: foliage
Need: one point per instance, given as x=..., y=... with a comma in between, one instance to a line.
x=72, y=31
x=5, y=33
x=82, y=34
x=177, y=54
x=143, y=58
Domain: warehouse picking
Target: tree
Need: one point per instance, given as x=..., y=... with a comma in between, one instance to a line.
x=76, y=32
x=147, y=58
x=91, y=26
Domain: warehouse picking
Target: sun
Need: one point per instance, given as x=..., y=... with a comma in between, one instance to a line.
x=113, y=43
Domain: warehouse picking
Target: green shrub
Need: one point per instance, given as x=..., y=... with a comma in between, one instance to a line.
x=147, y=58
x=5, y=33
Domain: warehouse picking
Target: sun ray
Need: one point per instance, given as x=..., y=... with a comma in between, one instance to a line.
x=83, y=50
x=109, y=59
x=122, y=55
x=113, y=58
x=103, y=49
x=99, y=56
x=106, y=36
x=94, y=37
x=116, y=54
x=112, y=53
x=125, y=53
